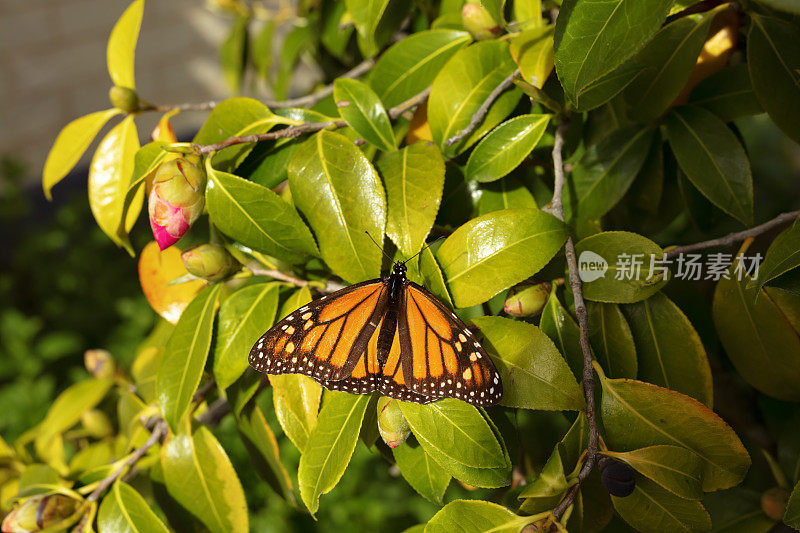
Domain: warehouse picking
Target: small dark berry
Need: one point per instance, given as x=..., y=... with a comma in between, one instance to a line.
x=617, y=477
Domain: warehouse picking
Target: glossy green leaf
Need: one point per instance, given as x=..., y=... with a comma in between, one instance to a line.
x=606, y=172
x=507, y=193
x=432, y=278
x=462, y=86
x=243, y=318
x=185, y=356
x=528, y=12
x=672, y=467
x=713, y=159
x=621, y=281
x=341, y=196
x=593, y=37
x=493, y=252
x=423, y=473
x=652, y=509
x=637, y=414
x=414, y=180
x=264, y=452
x=475, y=516
x=199, y=475
x=670, y=351
x=410, y=65
x=495, y=9
x=668, y=60
x=562, y=329
x=233, y=53
x=782, y=256
x=375, y=21
x=109, y=176
x=758, y=337
x=124, y=510
x=361, y=108
x=533, y=52
x=505, y=147
x=773, y=54
x=611, y=340
x=728, y=93
x=69, y=146
x=146, y=161
x=792, y=515
x=607, y=86
x=330, y=445
x=257, y=217
x=122, y=45
x=548, y=488
x=70, y=405
x=296, y=398
x=533, y=373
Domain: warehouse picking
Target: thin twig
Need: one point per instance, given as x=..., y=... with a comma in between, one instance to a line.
x=215, y=412
x=557, y=208
x=309, y=127
x=203, y=390
x=198, y=106
x=480, y=114
x=738, y=236
x=159, y=431
x=330, y=285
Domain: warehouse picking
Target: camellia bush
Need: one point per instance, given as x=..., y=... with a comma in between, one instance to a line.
x=573, y=179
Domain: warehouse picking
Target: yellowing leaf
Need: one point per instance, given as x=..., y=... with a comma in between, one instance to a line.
x=156, y=270
x=122, y=45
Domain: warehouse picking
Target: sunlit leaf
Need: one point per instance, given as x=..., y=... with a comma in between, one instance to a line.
x=124, y=510
x=363, y=111
x=157, y=269
x=505, y=147
x=782, y=256
x=424, y=474
x=472, y=516
x=533, y=52
x=122, y=45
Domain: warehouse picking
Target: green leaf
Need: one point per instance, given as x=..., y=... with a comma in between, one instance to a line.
x=562, y=329
x=493, y=252
x=109, y=176
x=670, y=351
x=432, y=278
x=533, y=373
x=792, y=515
x=375, y=21
x=608, y=86
x=669, y=59
x=728, y=93
x=423, y=473
x=773, y=53
x=200, y=476
x=70, y=405
x=528, y=12
x=495, y=9
x=507, y=193
x=593, y=37
x=620, y=282
x=549, y=486
x=341, y=196
x=264, y=452
x=410, y=65
x=298, y=40
x=475, y=516
x=69, y=146
x=243, y=318
x=185, y=356
x=782, y=256
x=787, y=6
x=146, y=161
x=505, y=147
x=123, y=510
x=330, y=446
x=651, y=509
x=361, y=108
x=713, y=159
x=637, y=415
x=296, y=398
x=462, y=86
x=606, y=172
x=233, y=53
x=262, y=49
x=758, y=337
x=257, y=217
x=612, y=341
x=122, y=45
x=457, y=436
x=737, y=510
x=672, y=467
x=414, y=179
x=533, y=52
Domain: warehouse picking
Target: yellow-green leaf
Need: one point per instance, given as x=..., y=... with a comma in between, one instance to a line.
x=673, y=467
x=124, y=510
x=122, y=45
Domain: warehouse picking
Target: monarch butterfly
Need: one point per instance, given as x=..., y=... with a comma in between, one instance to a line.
x=387, y=334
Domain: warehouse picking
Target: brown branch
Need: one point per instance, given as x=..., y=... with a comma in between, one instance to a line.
x=732, y=238
x=215, y=412
x=203, y=390
x=480, y=114
x=309, y=127
x=330, y=285
x=556, y=207
x=199, y=106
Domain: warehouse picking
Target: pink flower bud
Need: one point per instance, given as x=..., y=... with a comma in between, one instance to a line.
x=479, y=22
x=176, y=201
x=209, y=261
x=37, y=513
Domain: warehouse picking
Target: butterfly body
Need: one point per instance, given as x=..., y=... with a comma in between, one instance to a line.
x=388, y=335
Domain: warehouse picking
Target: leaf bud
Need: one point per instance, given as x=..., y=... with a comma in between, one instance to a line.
x=392, y=425
x=209, y=261
x=479, y=22
x=774, y=501
x=617, y=477
x=526, y=299
x=99, y=363
x=124, y=99
x=40, y=512
x=176, y=200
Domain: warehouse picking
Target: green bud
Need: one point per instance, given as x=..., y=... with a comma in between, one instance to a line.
x=99, y=363
x=96, y=423
x=479, y=22
x=392, y=425
x=773, y=502
x=526, y=299
x=124, y=99
x=209, y=261
x=40, y=512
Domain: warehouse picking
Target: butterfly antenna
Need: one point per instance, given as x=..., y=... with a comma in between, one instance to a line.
x=423, y=249
x=389, y=257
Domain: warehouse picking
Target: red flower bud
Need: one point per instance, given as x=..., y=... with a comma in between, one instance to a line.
x=774, y=501
x=176, y=201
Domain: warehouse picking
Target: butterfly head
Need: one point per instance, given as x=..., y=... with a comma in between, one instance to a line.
x=399, y=269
